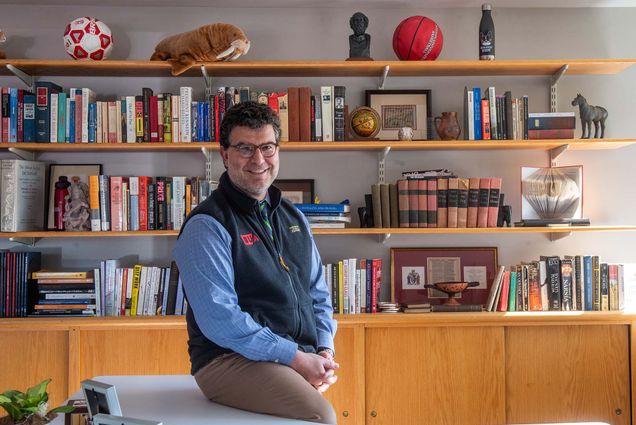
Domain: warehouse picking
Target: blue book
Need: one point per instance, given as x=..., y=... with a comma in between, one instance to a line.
x=178, y=308
x=71, y=121
x=587, y=284
x=61, y=117
x=206, y=122
x=44, y=89
x=29, y=118
x=194, y=135
x=512, y=294
x=477, y=98
x=92, y=122
x=13, y=115
x=201, y=119
x=323, y=208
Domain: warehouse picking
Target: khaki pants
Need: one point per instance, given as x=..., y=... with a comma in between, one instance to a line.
x=263, y=387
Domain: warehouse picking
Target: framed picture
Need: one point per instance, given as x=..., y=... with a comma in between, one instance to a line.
x=412, y=268
x=402, y=108
x=299, y=191
x=102, y=419
x=551, y=192
x=82, y=171
x=100, y=398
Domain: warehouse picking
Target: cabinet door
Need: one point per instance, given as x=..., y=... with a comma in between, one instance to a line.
x=567, y=374
x=29, y=357
x=347, y=395
x=435, y=375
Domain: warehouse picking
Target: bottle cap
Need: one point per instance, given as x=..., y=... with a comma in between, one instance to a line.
x=486, y=6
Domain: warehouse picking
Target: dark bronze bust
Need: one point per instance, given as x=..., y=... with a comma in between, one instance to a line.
x=359, y=41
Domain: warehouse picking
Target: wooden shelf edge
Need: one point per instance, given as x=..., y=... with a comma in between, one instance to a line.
x=109, y=147
x=445, y=230
x=61, y=234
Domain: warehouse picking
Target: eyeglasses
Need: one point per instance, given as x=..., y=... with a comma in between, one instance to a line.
x=247, y=151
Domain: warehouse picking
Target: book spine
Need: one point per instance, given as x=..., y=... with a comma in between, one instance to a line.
x=93, y=201
x=29, y=119
x=462, y=203
x=566, y=285
x=339, y=113
x=485, y=119
x=470, y=122
x=403, y=203
x=493, y=201
x=54, y=119
x=587, y=285
x=604, y=287
x=477, y=113
x=442, y=202
x=104, y=202
x=492, y=104
x=482, y=210
x=557, y=133
x=473, y=202
x=154, y=123
x=186, y=114
x=453, y=202
x=431, y=208
x=146, y=93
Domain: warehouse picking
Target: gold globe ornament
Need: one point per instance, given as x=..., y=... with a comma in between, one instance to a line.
x=364, y=122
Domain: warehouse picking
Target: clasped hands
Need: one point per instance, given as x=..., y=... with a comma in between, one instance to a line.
x=318, y=369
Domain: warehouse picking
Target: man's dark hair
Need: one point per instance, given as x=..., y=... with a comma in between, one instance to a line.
x=248, y=114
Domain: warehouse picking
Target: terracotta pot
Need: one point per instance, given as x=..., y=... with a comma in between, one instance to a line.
x=447, y=126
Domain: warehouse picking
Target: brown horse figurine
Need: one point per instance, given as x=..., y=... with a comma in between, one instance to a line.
x=589, y=114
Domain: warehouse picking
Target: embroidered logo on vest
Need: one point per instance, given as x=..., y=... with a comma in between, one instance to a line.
x=294, y=229
x=249, y=239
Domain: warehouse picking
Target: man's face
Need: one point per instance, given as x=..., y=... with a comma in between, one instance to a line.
x=358, y=25
x=256, y=174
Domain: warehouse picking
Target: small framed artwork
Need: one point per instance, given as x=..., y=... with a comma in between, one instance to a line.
x=402, y=108
x=81, y=171
x=413, y=268
x=100, y=398
x=298, y=191
x=552, y=192
x=102, y=419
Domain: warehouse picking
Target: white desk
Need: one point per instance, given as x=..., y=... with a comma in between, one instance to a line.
x=176, y=400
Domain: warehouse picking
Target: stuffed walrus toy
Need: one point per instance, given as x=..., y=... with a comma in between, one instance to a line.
x=209, y=43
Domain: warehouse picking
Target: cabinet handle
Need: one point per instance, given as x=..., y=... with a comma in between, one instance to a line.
x=374, y=414
x=345, y=413
x=618, y=411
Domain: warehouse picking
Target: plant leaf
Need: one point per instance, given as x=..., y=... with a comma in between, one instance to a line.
x=39, y=389
x=62, y=409
x=4, y=399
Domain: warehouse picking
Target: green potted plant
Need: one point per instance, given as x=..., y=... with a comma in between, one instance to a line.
x=30, y=408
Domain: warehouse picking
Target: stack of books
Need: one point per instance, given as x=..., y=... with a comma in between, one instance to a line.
x=551, y=125
x=65, y=293
x=331, y=216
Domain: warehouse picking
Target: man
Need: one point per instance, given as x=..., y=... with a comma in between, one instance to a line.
x=359, y=41
x=260, y=318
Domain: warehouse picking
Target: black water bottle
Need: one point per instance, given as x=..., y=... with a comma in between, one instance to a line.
x=486, y=34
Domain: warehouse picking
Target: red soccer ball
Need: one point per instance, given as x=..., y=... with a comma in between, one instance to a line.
x=417, y=38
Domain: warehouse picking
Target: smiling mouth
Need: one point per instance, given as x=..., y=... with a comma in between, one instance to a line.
x=258, y=172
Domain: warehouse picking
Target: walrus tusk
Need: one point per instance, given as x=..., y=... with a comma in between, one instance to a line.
x=226, y=53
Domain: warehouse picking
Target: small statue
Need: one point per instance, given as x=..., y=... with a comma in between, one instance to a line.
x=590, y=114
x=405, y=133
x=3, y=38
x=359, y=41
x=77, y=214
x=504, y=215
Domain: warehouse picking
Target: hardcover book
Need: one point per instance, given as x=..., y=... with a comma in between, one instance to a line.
x=22, y=194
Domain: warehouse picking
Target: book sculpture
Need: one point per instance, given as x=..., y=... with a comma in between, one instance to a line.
x=209, y=43
x=553, y=193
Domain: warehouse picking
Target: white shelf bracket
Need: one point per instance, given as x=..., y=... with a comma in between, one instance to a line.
x=208, y=163
x=26, y=155
x=25, y=241
x=553, y=86
x=555, y=153
x=207, y=80
x=27, y=79
x=383, y=238
x=555, y=236
x=381, y=159
x=385, y=74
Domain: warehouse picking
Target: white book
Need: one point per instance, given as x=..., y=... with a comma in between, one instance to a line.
x=54, y=117
x=88, y=96
x=353, y=298
x=176, y=109
x=345, y=286
x=98, y=298
x=470, y=96
x=318, y=117
x=129, y=284
x=22, y=191
x=98, y=123
x=544, y=285
x=492, y=101
x=125, y=196
x=67, y=120
x=326, y=100
x=550, y=114
x=130, y=119
x=283, y=114
x=118, y=290
x=133, y=181
x=186, y=114
x=178, y=199
x=120, y=136
x=142, y=291
x=363, y=289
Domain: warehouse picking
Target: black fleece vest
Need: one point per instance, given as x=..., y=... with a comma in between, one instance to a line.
x=271, y=278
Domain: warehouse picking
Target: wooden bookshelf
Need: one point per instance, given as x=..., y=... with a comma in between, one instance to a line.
x=418, y=145
x=143, y=68
x=346, y=231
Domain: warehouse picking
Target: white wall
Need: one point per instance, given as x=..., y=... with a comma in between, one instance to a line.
x=305, y=33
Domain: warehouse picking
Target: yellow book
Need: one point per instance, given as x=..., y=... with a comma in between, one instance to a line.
x=93, y=203
x=46, y=274
x=135, y=289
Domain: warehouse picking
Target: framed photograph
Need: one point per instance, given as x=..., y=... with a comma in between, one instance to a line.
x=102, y=419
x=100, y=398
x=551, y=192
x=402, y=108
x=82, y=171
x=299, y=191
x=412, y=268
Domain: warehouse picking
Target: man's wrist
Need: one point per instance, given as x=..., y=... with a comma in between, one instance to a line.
x=327, y=350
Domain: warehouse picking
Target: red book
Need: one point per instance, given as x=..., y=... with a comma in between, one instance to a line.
x=78, y=116
x=293, y=117
x=304, y=113
x=482, y=209
x=376, y=282
x=143, y=202
x=453, y=200
x=116, y=204
x=473, y=202
x=403, y=203
x=493, y=201
x=485, y=119
x=505, y=290
x=154, y=117
x=160, y=100
x=552, y=133
x=272, y=101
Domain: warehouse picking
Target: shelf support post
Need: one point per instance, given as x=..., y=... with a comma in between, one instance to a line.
x=26, y=241
x=207, y=80
x=208, y=163
x=27, y=79
x=383, y=238
x=23, y=154
x=553, y=86
x=385, y=74
x=381, y=159
x=555, y=236
x=555, y=153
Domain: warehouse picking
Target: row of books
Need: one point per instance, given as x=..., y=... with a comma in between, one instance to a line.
x=326, y=215
x=110, y=290
x=144, y=203
x=571, y=283
x=551, y=125
x=354, y=284
x=447, y=202
x=16, y=295
x=489, y=116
